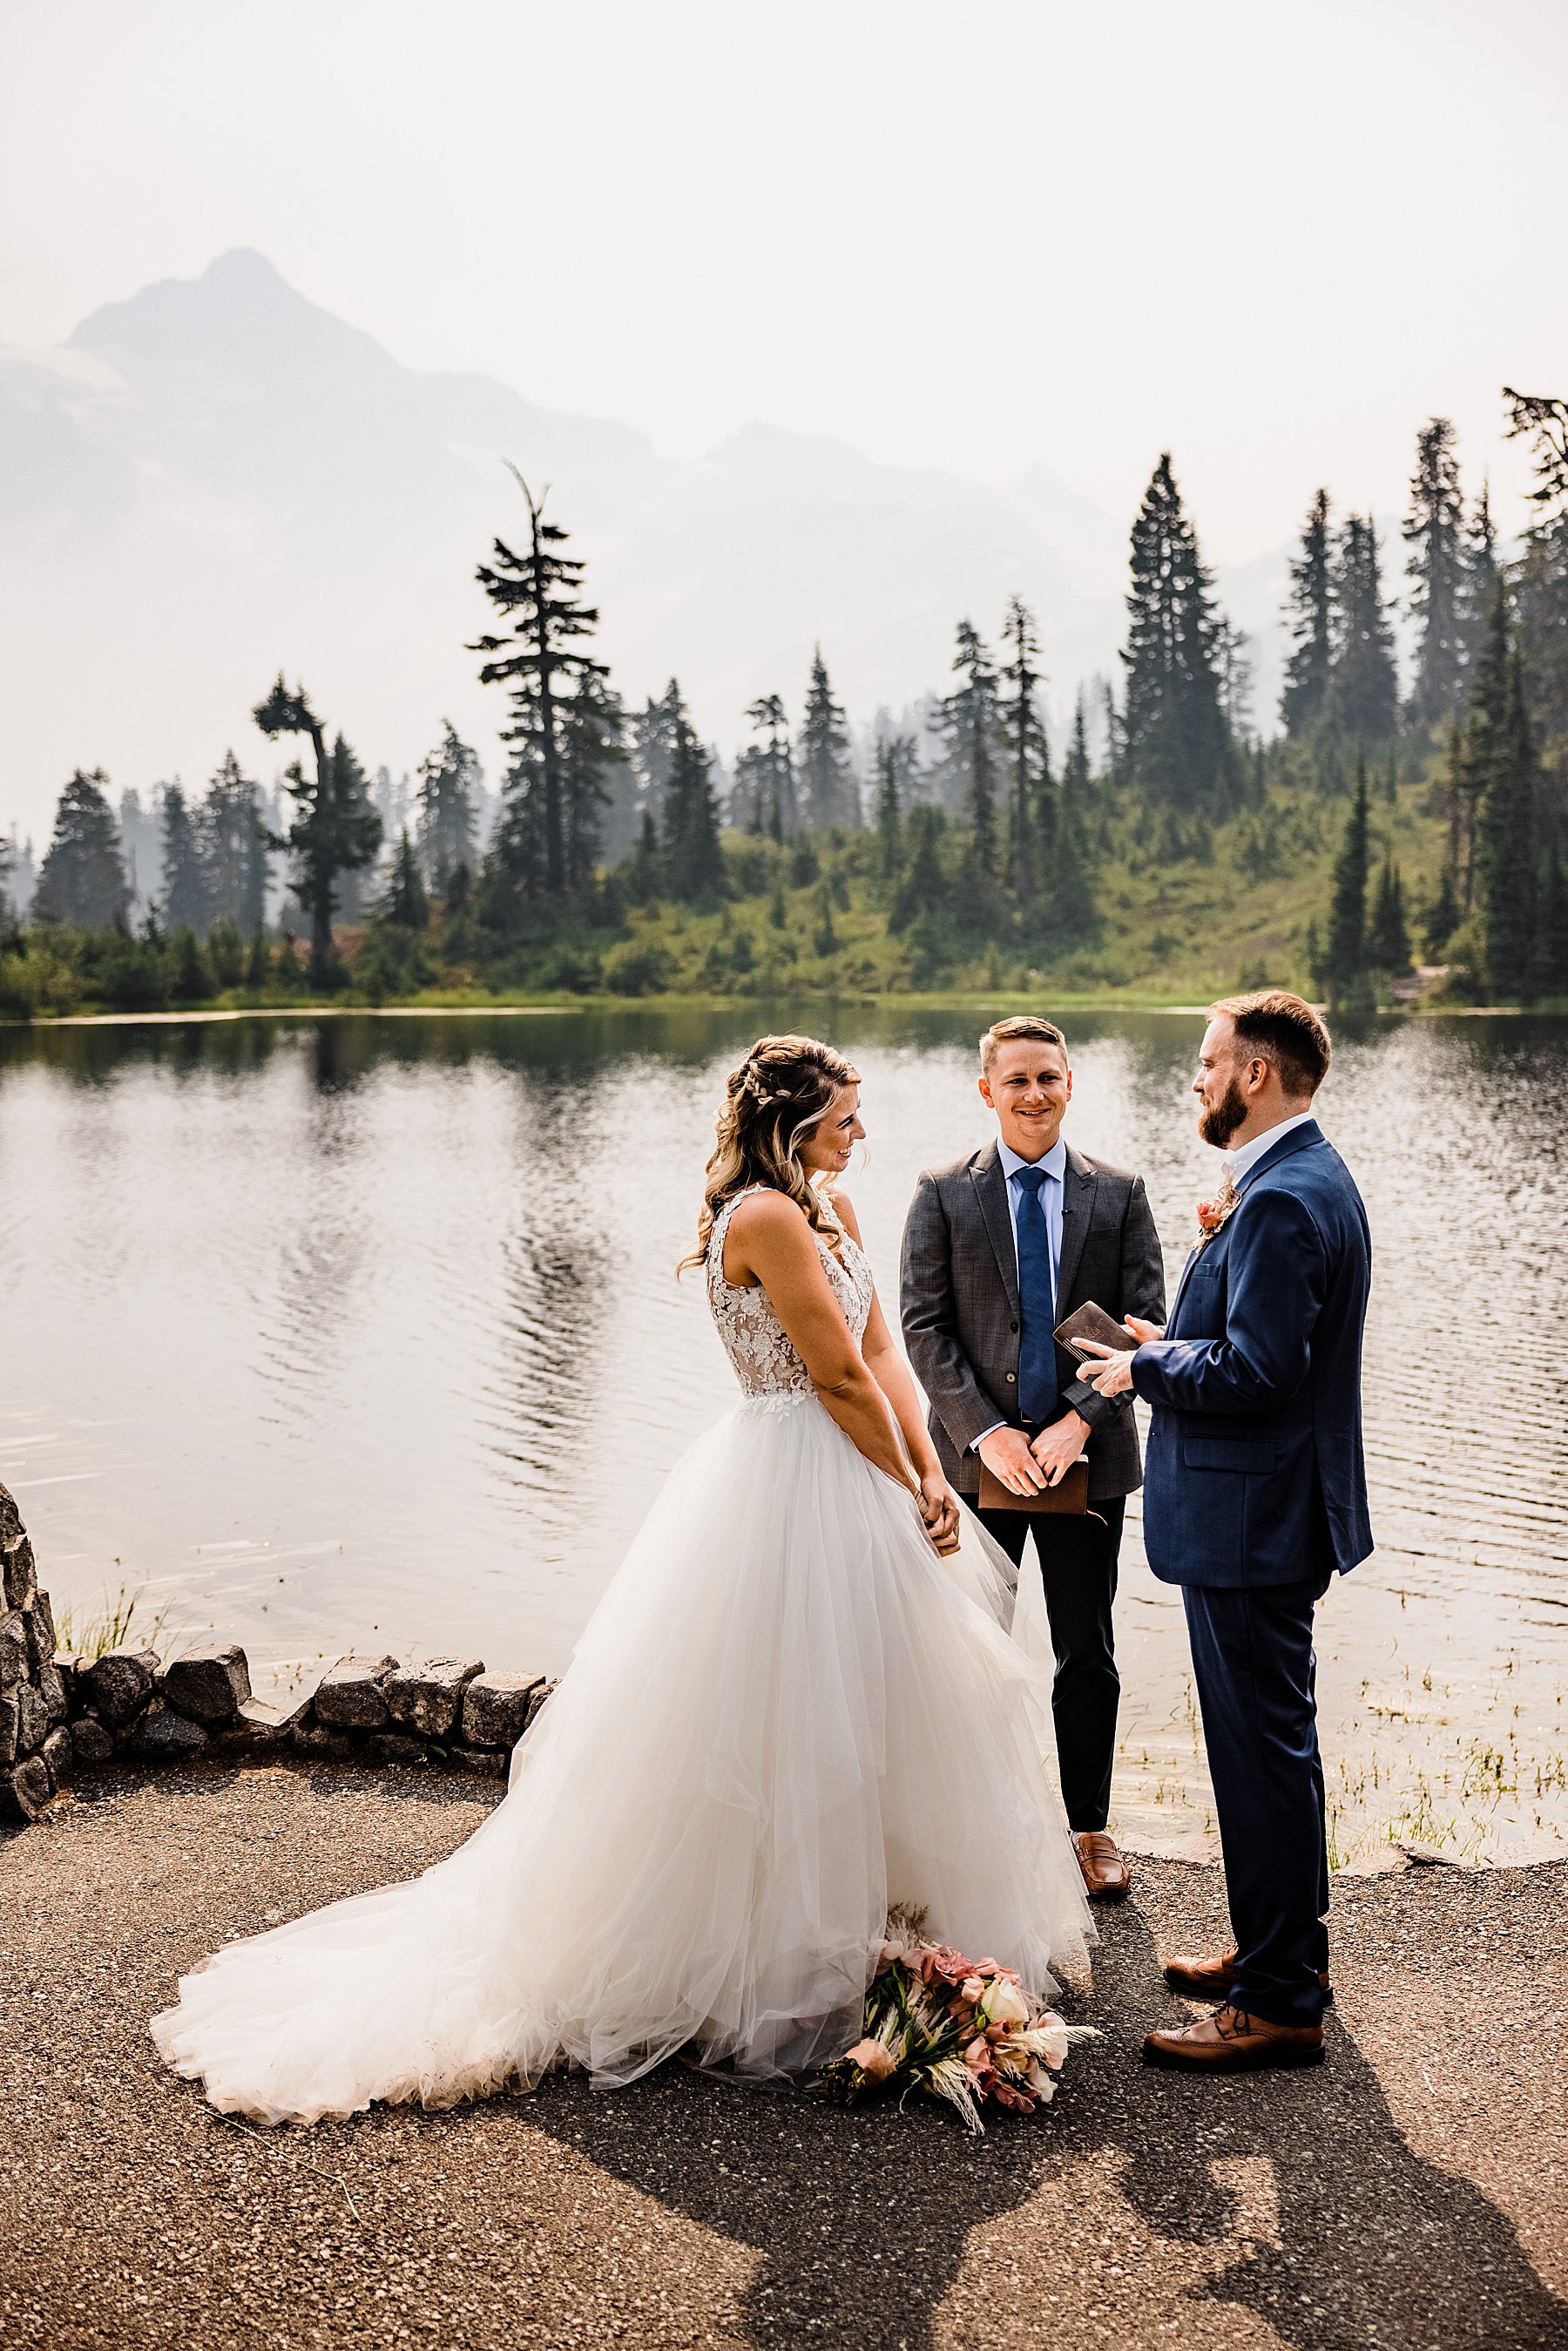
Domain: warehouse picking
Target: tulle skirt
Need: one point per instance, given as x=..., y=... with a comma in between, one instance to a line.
x=785, y=1714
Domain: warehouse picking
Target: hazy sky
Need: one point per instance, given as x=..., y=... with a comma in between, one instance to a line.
x=1273, y=236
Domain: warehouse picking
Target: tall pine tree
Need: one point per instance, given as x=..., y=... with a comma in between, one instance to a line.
x=969, y=727
x=184, y=876
x=448, y=786
x=236, y=846
x=1435, y=566
x=1388, y=930
x=1479, y=580
x=693, y=862
x=544, y=664
x=1363, y=687
x=1540, y=581
x=1175, y=743
x=825, y=778
x=771, y=770
x=1346, y=951
x=1508, y=850
x=1032, y=812
x=334, y=829
x=82, y=879
x=1310, y=619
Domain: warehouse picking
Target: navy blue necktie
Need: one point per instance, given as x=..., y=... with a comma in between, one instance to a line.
x=1036, y=1301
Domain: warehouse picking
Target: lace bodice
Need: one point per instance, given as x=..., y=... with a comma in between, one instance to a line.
x=755, y=1340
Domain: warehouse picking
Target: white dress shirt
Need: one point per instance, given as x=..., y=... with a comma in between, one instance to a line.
x=1238, y=1162
x=1055, y=1164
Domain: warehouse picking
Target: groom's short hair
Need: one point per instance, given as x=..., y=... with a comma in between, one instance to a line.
x=1021, y=1028
x=1281, y=1028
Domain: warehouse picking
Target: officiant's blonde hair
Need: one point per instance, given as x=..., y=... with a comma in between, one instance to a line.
x=1020, y=1027
x=783, y=1088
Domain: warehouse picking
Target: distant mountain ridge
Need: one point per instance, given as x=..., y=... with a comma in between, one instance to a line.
x=218, y=478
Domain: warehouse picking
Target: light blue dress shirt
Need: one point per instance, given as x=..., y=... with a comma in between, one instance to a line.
x=1055, y=1167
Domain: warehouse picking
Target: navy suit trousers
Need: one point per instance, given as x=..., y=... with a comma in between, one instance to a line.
x=1253, y=1659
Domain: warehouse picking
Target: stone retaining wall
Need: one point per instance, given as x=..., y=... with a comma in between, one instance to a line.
x=59, y=1715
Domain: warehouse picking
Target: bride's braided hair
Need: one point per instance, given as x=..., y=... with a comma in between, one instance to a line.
x=772, y=1100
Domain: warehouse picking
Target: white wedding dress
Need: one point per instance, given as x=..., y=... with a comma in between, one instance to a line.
x=786, y=1714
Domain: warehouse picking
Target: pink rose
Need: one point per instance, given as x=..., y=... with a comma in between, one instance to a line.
x=874, y=2058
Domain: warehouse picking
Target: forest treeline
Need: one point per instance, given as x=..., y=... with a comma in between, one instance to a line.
x=1165, y=844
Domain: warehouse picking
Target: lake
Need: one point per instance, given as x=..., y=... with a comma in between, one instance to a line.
x=321, y=1331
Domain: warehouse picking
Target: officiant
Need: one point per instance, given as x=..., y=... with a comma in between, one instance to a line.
x=1000, y=1248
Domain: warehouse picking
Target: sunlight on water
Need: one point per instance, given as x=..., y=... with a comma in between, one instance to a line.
x=368, y=1329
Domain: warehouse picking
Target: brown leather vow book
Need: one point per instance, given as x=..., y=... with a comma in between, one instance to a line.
x=1070, y=1495
x=1092, y=1322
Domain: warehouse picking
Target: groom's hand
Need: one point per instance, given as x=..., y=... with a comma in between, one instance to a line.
x=1005, y=1453
x=1057, y=1447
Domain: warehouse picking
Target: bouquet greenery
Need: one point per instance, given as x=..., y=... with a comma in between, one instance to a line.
x=959, y=2029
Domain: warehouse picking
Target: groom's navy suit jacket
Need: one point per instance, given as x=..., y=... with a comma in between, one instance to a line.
x=1254, y=1473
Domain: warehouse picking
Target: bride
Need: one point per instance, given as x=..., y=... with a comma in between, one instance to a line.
x=798, y=1703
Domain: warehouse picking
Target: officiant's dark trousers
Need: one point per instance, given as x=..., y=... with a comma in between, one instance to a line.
x=1078, y=1560
x=1256, y=1690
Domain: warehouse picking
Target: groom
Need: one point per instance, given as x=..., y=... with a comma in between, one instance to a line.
x=1256, y=1495
x=999, y=1248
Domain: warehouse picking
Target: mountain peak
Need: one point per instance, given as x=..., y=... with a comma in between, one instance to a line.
x=241, y=312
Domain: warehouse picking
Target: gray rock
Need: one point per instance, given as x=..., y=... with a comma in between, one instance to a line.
x=394, y=1747
x=18, y=1574
x=24, y=1790
x=16, y=1664
x=58, y=1753
x=33, y=1723
x=208, y=1685
x=1428, y=1856
x=536, y=1701
x=121, y=1684
x=326, y=1746
x=73, y=1672
x=10, y=1727
x=163, y=1737
x=426, y=1698
x=39, y=1619
x=257, y=1724
x=90, y=1743
x=51, y=1690
x=495, y=1707
x=351, y=1696
x=481, y=1763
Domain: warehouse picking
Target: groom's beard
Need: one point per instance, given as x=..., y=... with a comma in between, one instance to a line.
x=1218, y=1124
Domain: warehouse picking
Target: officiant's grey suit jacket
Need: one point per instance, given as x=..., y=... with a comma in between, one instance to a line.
x=960, y=1304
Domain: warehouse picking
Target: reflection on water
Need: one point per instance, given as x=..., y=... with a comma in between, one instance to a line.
x=322, y=1329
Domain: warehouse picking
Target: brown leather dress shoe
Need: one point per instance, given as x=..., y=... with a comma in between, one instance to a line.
x=1106, y=1874
x=1210, y=1979
x=1232, y=2041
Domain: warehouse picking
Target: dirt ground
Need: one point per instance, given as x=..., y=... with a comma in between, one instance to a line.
x=1412, y=2193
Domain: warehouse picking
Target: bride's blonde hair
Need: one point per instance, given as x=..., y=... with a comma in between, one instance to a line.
x=772, y=1100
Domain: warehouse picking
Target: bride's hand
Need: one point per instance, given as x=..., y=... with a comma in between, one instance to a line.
x=939, y=1509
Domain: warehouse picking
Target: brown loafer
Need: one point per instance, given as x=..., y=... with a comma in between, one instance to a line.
x=1106, y=1874
x=1232, y=2041
x=1210, y=1979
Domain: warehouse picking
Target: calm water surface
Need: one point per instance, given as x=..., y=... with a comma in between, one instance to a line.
x=319, y=1330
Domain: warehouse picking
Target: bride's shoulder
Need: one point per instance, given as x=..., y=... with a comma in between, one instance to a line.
x=841, y=1205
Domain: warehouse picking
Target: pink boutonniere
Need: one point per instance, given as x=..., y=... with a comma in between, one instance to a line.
x=1213, y=1213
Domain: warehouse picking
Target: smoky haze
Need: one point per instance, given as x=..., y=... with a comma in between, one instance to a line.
x=836, y=325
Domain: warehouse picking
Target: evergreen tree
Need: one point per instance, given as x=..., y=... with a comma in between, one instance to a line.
x=1364, y=687
x=1310, y=617
x=1443, y=916
x=1482, y=747
x=545, y=664
x=334, y=831
x=1552, y=962
x=1233, y=662
x=191, y=977
x=1435, y=566
x=771, y=770
x=405, y=904
x=1071, y=892
x=653, y=729
x=1507, y=849
x=890, y=806
x=1388, y=931
x=1539, y=579
x=82, y=880
x=1032, y=822
x=825, y=776
x=593, y=751
x=1174, y=741
x=235, y=849
x=968, y=725
x=1345, y=950
x=449, y=781
x=185, y=875
x=1479, y=580
x=140, y=831
x=924, y=890
x=693, y=861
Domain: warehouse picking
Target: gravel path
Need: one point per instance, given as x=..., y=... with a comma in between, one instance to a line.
x=1410, y=2194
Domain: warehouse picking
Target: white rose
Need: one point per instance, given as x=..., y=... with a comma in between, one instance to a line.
x=1005, y=2004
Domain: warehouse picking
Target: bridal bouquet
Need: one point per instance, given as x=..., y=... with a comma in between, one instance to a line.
x=959, y=2029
